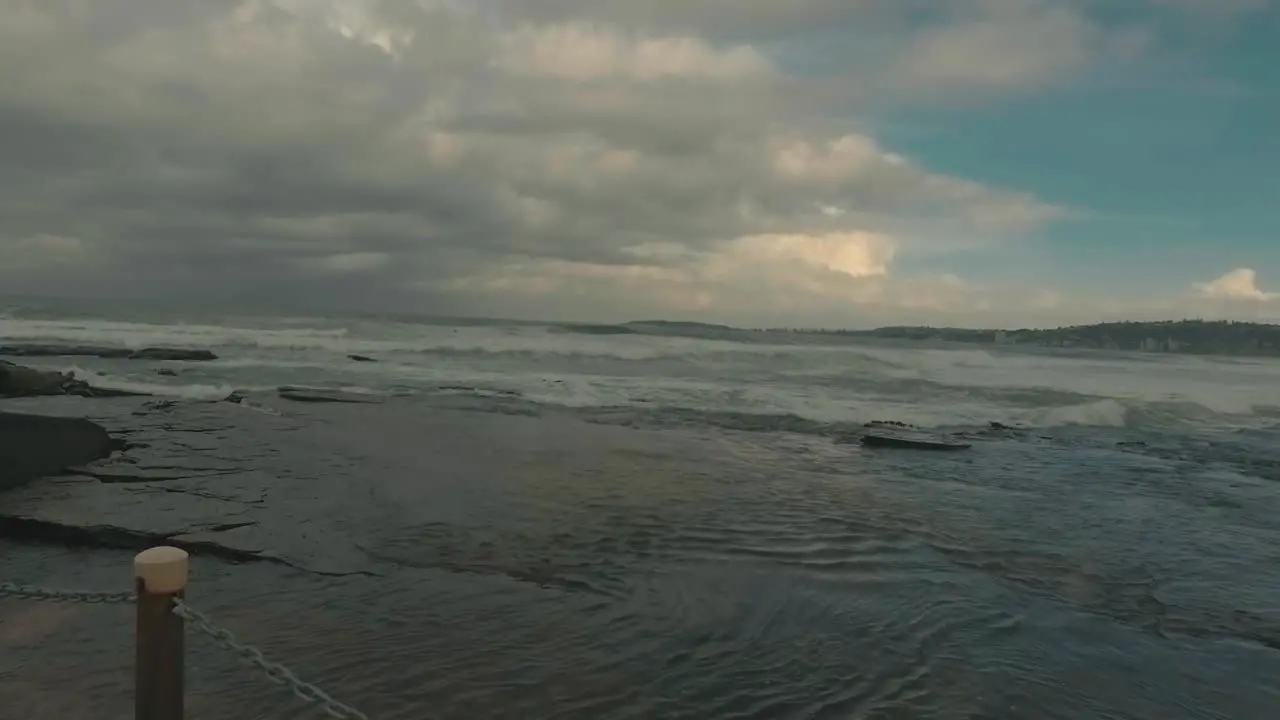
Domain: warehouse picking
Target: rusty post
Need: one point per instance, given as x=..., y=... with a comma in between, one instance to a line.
x=160, y=576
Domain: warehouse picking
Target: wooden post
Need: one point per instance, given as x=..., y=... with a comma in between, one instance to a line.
x=160, y=575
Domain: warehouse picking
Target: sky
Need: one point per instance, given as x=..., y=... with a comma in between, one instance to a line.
x=761, y=162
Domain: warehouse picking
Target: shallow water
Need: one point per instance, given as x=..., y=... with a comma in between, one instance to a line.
x=527, y=558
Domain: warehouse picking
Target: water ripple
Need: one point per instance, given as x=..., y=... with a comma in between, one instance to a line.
x=548, y=568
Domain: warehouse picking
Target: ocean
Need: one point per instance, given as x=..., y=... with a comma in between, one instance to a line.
x=662, y=521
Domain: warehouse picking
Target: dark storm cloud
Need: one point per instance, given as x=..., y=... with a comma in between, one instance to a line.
x=383, y=153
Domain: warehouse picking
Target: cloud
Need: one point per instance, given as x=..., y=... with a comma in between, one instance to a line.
x=1239, y=284
x=787, y=280
x=351, y=262
x=758, y=20
x=42, y=251
x=583, y=51
x=1001, y=44
x=855, y=255
x=580, y=158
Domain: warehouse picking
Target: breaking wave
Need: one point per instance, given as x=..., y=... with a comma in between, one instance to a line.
x=676, y=374
x=159, y=387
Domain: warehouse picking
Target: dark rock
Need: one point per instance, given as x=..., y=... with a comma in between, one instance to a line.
x=362, y=358
x=236, y=397
x=166, y=372
x=101, y=351
x=64, y=350
x=20, y=381
x=471, y=389
x=86, y=390
x=34, y=446
x=993, y=430
x=911, y=441
x=152, y=353
x=320, y=395
x=156, y=407
x=887, y=423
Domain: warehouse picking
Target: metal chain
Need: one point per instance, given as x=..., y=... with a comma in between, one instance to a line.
x=275, y=672
x=33, y=592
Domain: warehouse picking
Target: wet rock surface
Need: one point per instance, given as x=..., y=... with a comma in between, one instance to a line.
x=900, y=435
x=197, y=475
x=911, y=440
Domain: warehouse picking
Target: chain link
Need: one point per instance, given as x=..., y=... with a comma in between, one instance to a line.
x=275, y=672
x=32, y=592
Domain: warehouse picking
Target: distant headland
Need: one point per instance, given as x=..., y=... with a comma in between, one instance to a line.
x=1198, y=337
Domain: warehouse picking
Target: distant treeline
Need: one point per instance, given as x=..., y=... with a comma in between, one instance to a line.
x=676, y=328
x=1206, y=337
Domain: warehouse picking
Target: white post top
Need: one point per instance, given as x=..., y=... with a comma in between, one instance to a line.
x=162, y=569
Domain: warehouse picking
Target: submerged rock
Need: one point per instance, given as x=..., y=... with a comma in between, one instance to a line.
x=321, y=395
x=101, y=351
x=912, y=441
x=204, y=541
x=34, y=446
x=362, y=358
x=110, y=536
x=172, y=354
x=84, y=389
x=993, y=431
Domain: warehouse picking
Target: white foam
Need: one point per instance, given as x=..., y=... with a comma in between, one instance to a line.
x=374, y=338
x=187, y=391
x=348, y=389
x=1102, y=413
x=135, y=335
x=825, y=382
